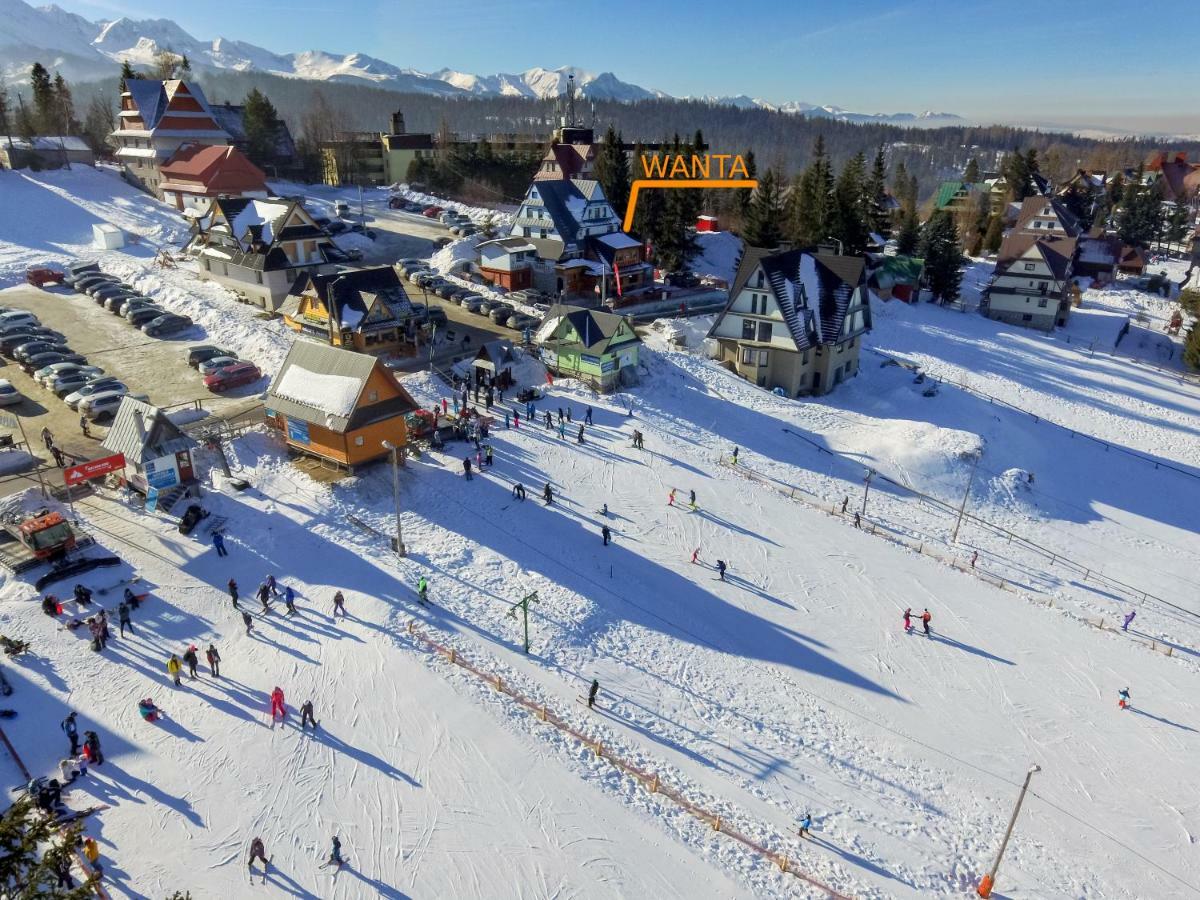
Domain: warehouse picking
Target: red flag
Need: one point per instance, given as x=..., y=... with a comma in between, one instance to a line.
x=617, y=277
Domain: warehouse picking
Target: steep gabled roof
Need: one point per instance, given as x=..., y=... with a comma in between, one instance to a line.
x=1058, y=252
x=221, y=169
x=143, y=432
x=349, y=295
x=595, y=328
x=1031, y=208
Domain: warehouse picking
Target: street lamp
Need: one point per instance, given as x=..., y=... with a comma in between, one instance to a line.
x=989, y=880
x=395, y=451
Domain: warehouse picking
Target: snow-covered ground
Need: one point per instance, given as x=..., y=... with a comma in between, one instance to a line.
x=787, y=688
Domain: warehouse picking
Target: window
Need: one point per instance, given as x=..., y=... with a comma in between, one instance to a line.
x=372, y=396
x=747, y=329
x=804, y=358
x=1042, y=303
x=1029, y=267
x=1028, y=317
x=358, y=441
x=841, y=348
x=764, y=332
x=258, y=277
x=758, y=279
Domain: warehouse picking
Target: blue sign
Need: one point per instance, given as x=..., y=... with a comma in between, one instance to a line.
x=587, y=358
x=298, y=431
x=609, y=365
x=151, y=499
x=159, y=476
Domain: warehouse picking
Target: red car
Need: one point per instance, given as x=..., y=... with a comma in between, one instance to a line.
x=431, y=212
x=41, y=276
x=232, y=376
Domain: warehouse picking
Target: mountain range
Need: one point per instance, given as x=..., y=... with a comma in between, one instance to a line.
x=83, y=50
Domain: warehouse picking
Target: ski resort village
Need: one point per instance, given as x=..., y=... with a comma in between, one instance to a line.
x=429, y=485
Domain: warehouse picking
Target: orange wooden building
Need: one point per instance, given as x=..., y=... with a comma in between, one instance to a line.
x=338, y=404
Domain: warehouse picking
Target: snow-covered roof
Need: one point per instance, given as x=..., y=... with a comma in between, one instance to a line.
x=143, y=432
x=259, y=212
x=618, y=240
x=334, y=395
x=49, y=142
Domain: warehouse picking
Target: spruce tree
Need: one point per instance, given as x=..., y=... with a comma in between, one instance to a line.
x=185, y=67
x=849, y=224
x=971, y=174
x=1176, y=226
x=32, y=846
x=1140, y=219
x=994, y=236
x=813, y=218
x=43, y=99
x=764, y=220
x=64, y=106
x=5, y=117
x=1018, y=175
x=1191, y=347
x=127, y=75
x=943, y=257
x=261, y=124
x=612, y=171
x=875, y=197
x=909, y=236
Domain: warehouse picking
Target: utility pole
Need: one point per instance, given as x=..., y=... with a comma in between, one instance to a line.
x=432, y=343
x=395, y=451
x=989, y=880
x=871, y=473
x=967, y=493
x=523, y=605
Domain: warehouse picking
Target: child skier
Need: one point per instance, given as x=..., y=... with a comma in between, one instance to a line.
x=1123, y=702
x=257, y=851
x=908, y=626
x=806, y=825
x=423, y=590
x=277, y=707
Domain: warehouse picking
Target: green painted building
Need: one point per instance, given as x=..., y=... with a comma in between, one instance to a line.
x=594, y=346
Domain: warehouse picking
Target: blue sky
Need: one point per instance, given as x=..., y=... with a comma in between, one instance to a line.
x=1070, y=61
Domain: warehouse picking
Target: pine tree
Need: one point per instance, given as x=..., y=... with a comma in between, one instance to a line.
x=31, y=848
x=909, y=237
x=994, y=236
x=1176, y=228
x=1191, y=347
x=43, y=99
x=5, y=117
x=744, y=196
x=971, y=174
x=1139, y=220
x=1017, y=173
x=849, y=225
x=812, y=213
x=127, y=75
x=64, y=106
x=943, y=257
x=261, y=124
x=875, y=197
x=764, y=220
x=185, y=67
x=612, y=171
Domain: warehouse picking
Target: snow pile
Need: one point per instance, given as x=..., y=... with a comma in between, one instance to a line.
x=718, y=256
x=14, y=461
x=334, y=395
x=478, y=214
x=456, y=255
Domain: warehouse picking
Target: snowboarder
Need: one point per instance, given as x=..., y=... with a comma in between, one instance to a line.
x=83, y=595
x=123, y=618
x=592, y=692
x=806, y=825
x=339, y=604
x=579, y=437
x=219, y=544
x=1123, y=702
x=249, y=621
x=306, y=716
x=606, y=534
x=264, y=594
x=925, y=619
x=68, y=725
x=721, y=567
x=289, y=600
x=423, y=590
x=1128, y=620
x=735, y=455
x=257, y=851
x=233, y=593
x=908, y=626
x=638, y=441
x=192, y=660
x=214, y=660
x=91, y=748
x=695, y=556
x=587, y=416
x=173, y=667
x=277, y=707
x=692, y=500
x=518, y=491
x=671, y=498
x=548, y=494
x=467, y=467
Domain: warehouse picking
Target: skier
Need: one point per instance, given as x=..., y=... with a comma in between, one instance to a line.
x=339, y=604
x=306, y=716
x=695, y=556
x=592, y=692
x=857, y=521
x=478, y=456
x=735, y=455
x=587, y=416
x=277, y=707
x=92, y=851
x=548, y=494
x=219, y=544
x=70, y=770
x=91, y=748
x=270, y=582
x=191, y=659
x=518, y=491
x=562, y=431
x=908, y=626
x=579, y=437
x=103, y=621
x=487, y=457
x=289, y=600
x=1123, y=703
x=467, y=467
x=721, y=567
x=1127, y=620
x=549, y=420
x=569, y=422
x=423, y=590
x=335, y=855
x=257, y=851
x=925, y=619
x=692, y=500
x=123, y=618
x=516, y=420
x=638, y=440
x=606, y=534
x=233, y=592
x=249, y=621
x=671, y=498
x=264, y=593
x=173, y=667
x=214, y=660
x=974, y=558
x=806, y=825
x=845, y=503
x=561, y=418
x=68, y=725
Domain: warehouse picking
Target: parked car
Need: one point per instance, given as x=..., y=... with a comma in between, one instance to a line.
x=95, y=386
x=140, y=315
x=413, y=263
x=202, y=352
x=104, y=404
x=69, y=382
x=116, y=289
x=446, y=290
x=9, y=395
x=500, y=313
x=165, y=325
x=80, y=269
x=461, y=293
x=414, y=276
x=46, y=376
x=91, y=280
x=232, y=376
x=23, y=334
x=39, y=362
x=468, y=230
x=431, y=212
x=486, y=307
x=527, y=322
x=118, y=304
x=16, y=317
x=109, y=281
x=335, y=227
x=438, y=317
x=216, y=363
x=472, y=302
x=136, y=303
x=32, y=348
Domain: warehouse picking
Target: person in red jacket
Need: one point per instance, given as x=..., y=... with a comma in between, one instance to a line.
x=277, y=707
x=908, y=621
x=925, y=618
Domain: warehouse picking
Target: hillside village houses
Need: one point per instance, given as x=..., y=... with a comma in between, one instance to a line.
x=600, y=348
x=794, y=319
x=366, y=310
x=374, y=157
x=155, y=120
x=258, y=248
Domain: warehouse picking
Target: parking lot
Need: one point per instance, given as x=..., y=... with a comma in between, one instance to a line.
x=153, y=366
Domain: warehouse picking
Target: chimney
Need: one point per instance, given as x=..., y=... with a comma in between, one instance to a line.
x=398, y=122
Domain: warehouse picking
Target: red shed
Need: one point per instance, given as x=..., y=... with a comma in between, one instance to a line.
x=707, y=223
